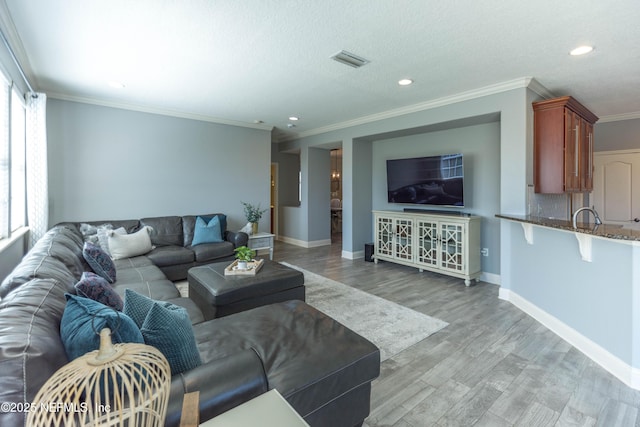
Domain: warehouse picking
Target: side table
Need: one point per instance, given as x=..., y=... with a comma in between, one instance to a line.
x=267, y=410
x=261, y=241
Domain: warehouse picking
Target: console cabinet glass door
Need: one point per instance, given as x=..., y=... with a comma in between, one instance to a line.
x=427, y=244
x=395, y=238
x=384, y=238
x=403, y=239
x=452, y=246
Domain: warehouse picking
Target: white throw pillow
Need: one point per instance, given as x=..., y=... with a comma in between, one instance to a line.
x=129, y=245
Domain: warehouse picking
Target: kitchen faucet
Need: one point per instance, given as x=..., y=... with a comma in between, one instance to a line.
x=586, y=208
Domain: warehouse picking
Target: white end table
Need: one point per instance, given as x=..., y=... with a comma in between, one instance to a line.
x=262, y=241
x=267, y=410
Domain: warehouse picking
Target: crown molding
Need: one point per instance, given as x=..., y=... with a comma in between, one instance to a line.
x=538, y=88
x=522, y=82
x=620, y=117
x=159, y=111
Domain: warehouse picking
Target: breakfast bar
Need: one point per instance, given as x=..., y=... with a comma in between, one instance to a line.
x=583, y=283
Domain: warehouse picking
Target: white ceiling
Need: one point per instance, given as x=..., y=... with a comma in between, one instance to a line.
x=241, y=61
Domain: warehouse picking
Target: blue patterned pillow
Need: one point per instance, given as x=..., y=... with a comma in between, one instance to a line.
x=98, y=289
x=83, y=318
x=166, y=327
x=207, y=233
x=99, y=261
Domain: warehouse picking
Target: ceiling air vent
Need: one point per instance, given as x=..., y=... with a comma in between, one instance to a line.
x=348, y=58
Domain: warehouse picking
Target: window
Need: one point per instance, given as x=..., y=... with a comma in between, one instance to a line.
x=5, y=169
x=12, y=159
x=18, y=162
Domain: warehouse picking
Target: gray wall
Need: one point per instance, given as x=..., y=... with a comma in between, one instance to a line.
x=480, y=146
x=621, y=135
x=511, y=108
x=109, y=163
x=597, y=299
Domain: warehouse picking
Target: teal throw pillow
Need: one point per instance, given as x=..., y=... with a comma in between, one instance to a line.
x=166, y=327
x=82, y=320
x=207, y=232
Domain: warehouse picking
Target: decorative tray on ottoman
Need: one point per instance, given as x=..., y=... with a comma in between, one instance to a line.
x=252, y=268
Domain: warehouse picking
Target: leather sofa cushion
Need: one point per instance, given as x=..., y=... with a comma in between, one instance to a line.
x=146, y=279
x=161, y=289
x=144, y=273
x=167, y=230
x=30, y=346
x=223, y=384
x=138, y=261
x=309, y=357
x=57, y=243
x=58, y=255
x=192, y=309
x=170, y=255
x=212, y=251
x=38, y=268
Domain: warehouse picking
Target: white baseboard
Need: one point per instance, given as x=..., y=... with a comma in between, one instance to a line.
x=353, y=255
x=304, y=243
x=618, y=368
x=490, y=278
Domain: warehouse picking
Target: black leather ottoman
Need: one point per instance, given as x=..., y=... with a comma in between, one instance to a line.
x=218, y=295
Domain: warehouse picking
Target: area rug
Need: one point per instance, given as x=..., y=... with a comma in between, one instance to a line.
x=390, y=326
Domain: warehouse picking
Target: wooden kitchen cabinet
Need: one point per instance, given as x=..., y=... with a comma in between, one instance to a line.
x=563, y=146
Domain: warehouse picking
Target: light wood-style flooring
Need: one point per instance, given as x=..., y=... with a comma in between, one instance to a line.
x=492, y=366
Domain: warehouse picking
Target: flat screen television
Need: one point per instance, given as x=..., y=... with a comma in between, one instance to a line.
x=433, y=180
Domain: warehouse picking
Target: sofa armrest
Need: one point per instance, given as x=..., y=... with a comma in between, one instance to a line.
x=238, y=238
x=223, y=384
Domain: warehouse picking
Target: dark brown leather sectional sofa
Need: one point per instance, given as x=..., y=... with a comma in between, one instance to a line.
x=323, y=369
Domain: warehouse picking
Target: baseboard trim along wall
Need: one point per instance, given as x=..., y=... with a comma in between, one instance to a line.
x=353, y=255
x=303, y=243
x=492, y=278
x=618, y=368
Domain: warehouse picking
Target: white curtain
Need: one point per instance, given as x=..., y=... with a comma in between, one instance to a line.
x=37, y=182
x=5, y=172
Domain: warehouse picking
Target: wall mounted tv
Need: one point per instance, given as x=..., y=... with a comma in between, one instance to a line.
x=433, y=180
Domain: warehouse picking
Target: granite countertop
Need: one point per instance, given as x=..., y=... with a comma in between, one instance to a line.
x=610, y=231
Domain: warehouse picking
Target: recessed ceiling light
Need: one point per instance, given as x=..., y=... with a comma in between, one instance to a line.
x=294, y=118
x=405, y=82
x=116, y=85
x=581, y=50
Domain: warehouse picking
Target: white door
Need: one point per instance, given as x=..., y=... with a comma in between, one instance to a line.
x=616, y=187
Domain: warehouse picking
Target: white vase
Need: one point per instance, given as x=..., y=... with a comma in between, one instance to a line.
x=242, y=265
x=247, y=229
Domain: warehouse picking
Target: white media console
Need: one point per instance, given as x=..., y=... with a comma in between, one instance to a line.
x=443, y=242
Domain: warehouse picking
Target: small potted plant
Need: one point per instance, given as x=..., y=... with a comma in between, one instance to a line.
x=244, y=254
x=253, y=214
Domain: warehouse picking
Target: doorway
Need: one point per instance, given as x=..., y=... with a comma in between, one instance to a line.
x=616, y=189
x=336, y=195
x=274, y=199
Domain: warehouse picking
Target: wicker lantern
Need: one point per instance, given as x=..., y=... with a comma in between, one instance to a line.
x=117, y=385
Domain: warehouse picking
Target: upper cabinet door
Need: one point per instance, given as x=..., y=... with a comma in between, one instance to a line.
x=572, y=178
x=563, y=146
